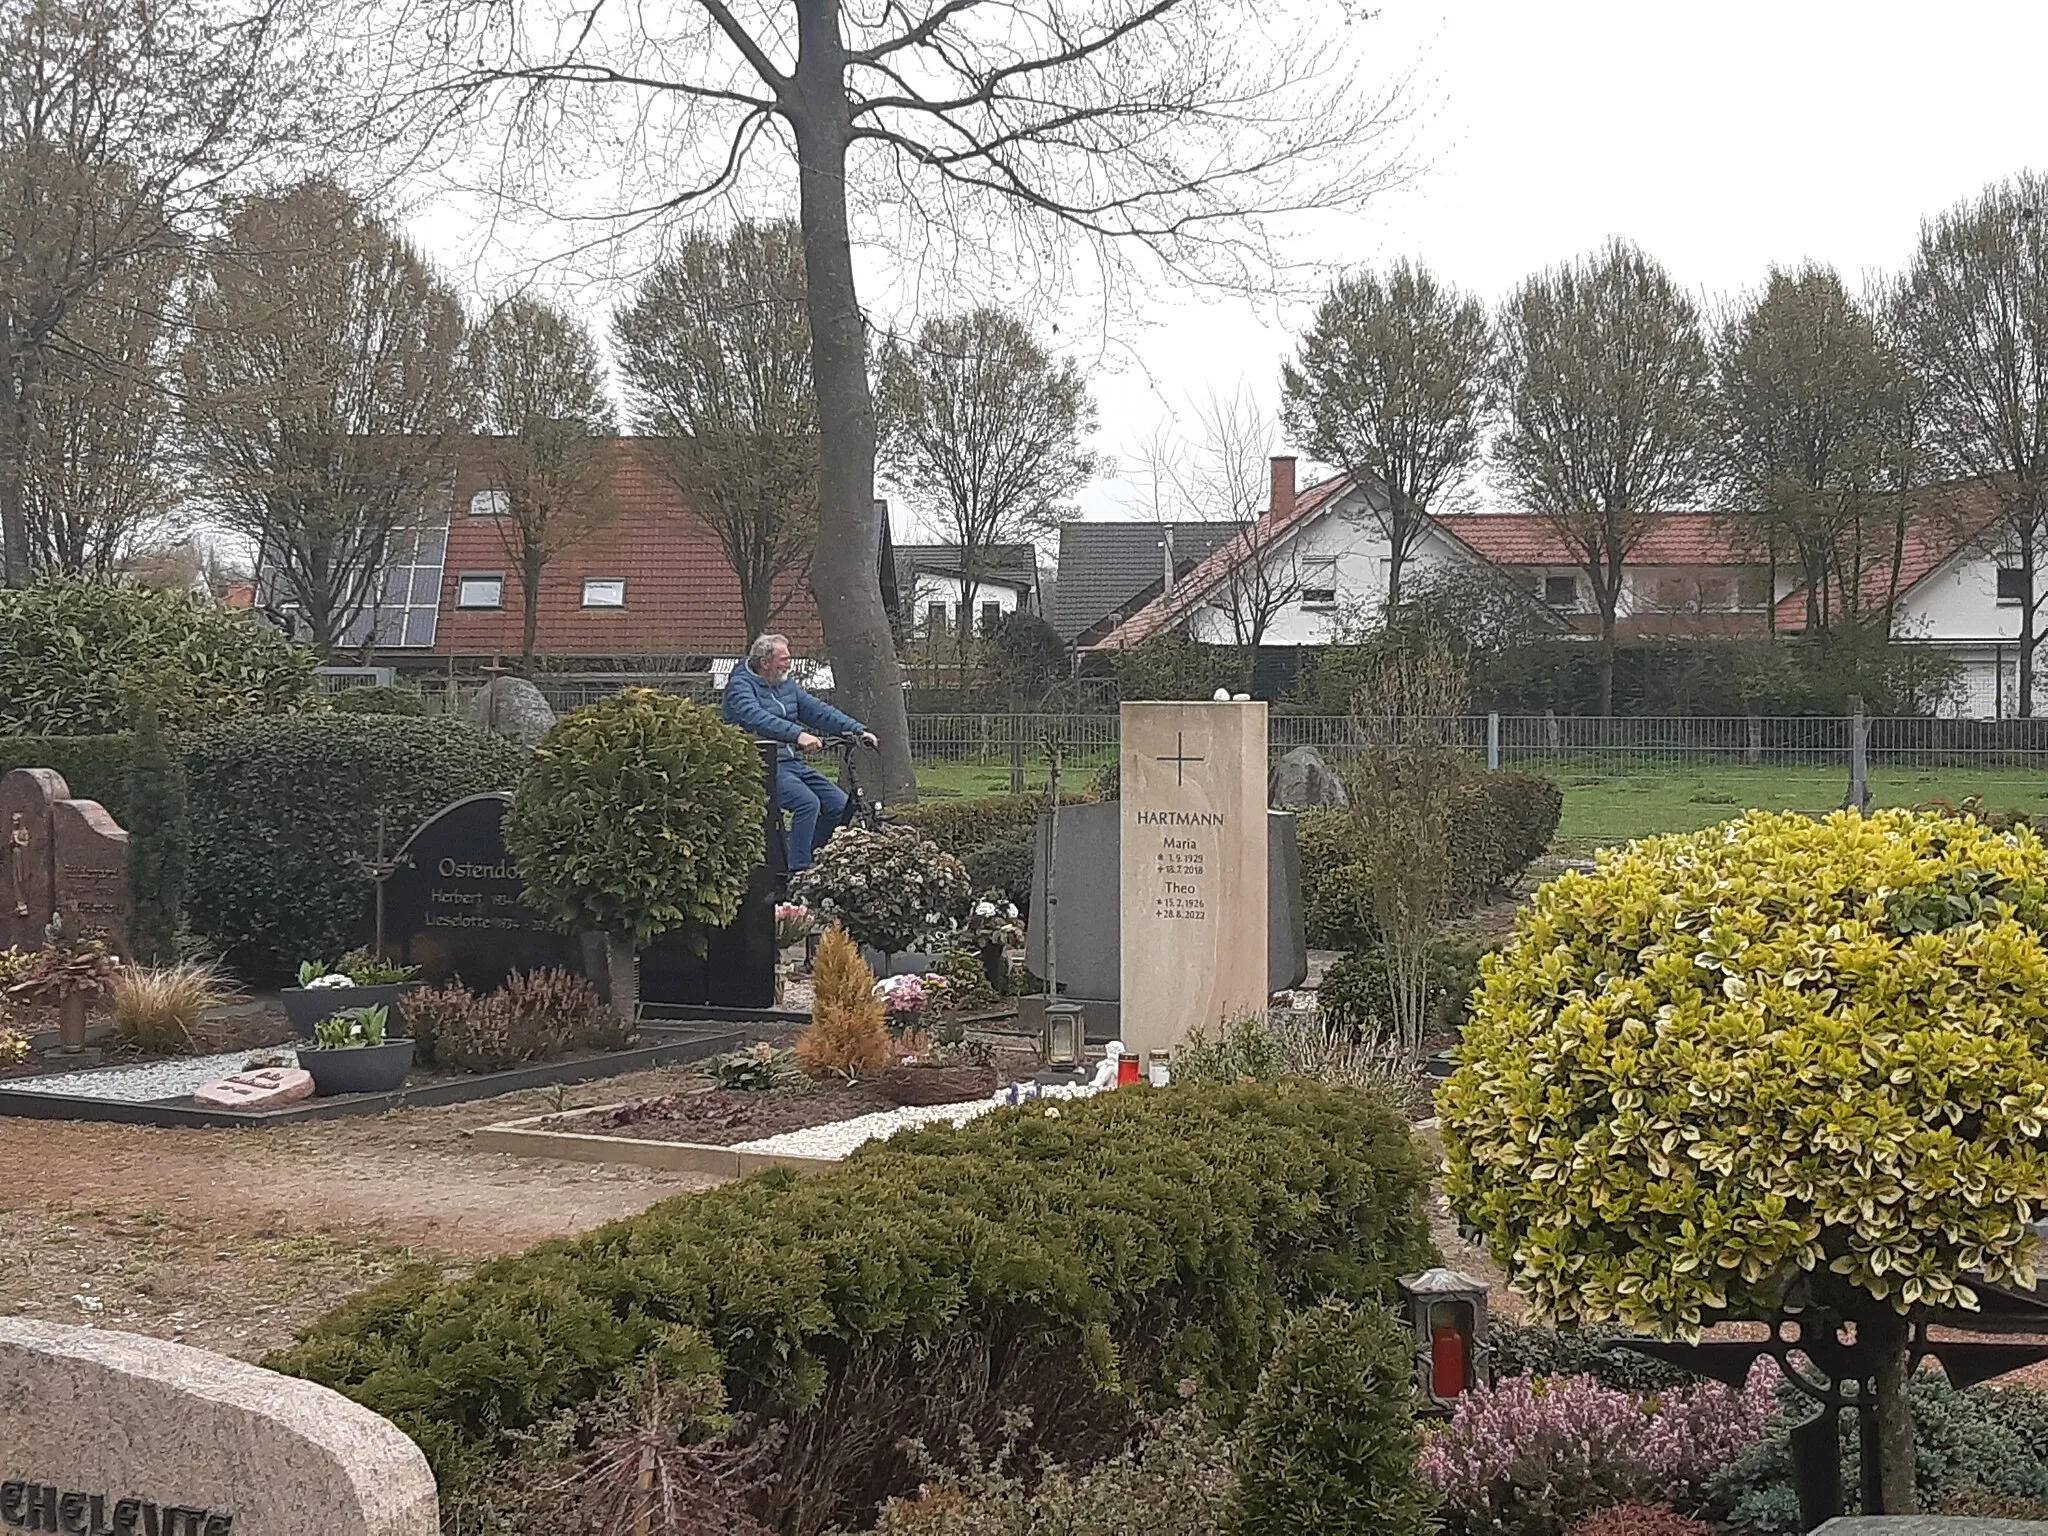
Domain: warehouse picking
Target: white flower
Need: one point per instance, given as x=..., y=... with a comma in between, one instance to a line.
x=984, y=909
x=1052, y=1112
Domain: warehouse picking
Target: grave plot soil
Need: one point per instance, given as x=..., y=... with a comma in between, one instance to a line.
x=722, y=1117
x=235, y=1239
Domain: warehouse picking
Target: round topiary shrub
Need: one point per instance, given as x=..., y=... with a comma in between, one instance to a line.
x=892, y=889
x=72, y=653
x=1329, y=1443
x=639, y=814
x=1778, y=1060
x=282, y=812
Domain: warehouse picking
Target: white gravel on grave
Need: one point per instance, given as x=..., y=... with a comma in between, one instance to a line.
x=837, y=1138
x=144, y=1084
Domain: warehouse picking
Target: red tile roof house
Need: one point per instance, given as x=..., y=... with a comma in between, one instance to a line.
x=649, y=590
x=1688, y=579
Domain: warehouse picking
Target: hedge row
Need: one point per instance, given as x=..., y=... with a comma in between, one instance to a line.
x=283, y=810
x=1504, y=824
x=1079, y=1262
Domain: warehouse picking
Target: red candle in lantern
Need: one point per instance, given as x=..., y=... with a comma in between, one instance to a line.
x=1126, y=1070
x=1446, y=1362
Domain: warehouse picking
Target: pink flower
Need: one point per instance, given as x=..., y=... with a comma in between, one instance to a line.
x=1581, y=1446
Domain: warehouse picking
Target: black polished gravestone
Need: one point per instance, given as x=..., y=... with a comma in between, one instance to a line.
x=454, y=908
x=733, y=966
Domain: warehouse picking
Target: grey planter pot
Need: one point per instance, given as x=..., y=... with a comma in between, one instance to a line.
x=307, y=1006
x=359, y=1068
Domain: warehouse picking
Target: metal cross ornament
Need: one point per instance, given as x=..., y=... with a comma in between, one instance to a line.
x=1180, y=759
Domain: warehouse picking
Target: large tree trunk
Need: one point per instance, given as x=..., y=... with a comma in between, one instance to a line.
x=16, y=570
x=844, y=574
x=529, y=595
x=1606, y=656
x=1892, y=1335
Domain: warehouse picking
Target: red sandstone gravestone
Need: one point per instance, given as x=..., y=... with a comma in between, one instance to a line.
x=28, y=863
x=63, y=855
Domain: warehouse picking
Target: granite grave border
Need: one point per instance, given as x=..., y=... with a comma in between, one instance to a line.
x=678, y=1043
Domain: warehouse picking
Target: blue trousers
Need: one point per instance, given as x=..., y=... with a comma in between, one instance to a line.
x=816, y=808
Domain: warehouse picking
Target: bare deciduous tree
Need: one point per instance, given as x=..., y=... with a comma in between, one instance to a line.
x=1391, y=386
x=1973, y=316
x=124, y=125
x=99, y=476
x=1024, y=130
x=541, y=406
x=1406, y=786
x=717, y=357
x=1608, y=391
x=1817, y=419
x=1220, y=471
x=323, y=393
x=982, y=432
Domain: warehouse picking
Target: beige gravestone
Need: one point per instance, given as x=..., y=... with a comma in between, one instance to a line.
x=111, y=1434
x=1194, y=909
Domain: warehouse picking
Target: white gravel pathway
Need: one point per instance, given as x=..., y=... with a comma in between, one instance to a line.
x=147, y=1083
x=839, y=1137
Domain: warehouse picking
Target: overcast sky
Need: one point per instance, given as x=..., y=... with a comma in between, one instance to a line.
x=1722, y=138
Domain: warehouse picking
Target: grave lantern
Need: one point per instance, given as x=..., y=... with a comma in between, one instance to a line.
x=1063, y=1034
x=1447, y=1312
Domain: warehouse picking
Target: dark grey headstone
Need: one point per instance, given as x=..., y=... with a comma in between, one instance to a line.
x=1302, y=780
x=1091, y=902
x=454, y=907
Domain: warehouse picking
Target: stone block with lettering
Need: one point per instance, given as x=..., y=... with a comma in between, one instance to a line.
x=28, y=858
x=455, y=906
x=92, y=872
x=262, y=1088
x=105, y=1433
x=1091, y=892
x=1193, y=863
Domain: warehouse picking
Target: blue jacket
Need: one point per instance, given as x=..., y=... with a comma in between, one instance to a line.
x=781, y=713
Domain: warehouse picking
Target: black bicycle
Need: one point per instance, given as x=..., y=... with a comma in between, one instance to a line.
x=860, y=810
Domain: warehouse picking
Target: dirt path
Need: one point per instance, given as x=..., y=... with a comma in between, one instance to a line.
x=235, y=1239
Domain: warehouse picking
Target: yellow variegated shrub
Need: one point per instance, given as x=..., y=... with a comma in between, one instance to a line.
x=1775, y=1051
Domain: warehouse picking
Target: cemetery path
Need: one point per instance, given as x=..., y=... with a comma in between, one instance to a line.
x=235, y=1239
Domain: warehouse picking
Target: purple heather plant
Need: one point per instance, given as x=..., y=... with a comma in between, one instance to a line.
x=1532, y=1455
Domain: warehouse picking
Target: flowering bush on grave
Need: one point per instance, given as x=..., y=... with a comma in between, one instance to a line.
x=994, y=922
x=1532, y=1455
x=891, y=889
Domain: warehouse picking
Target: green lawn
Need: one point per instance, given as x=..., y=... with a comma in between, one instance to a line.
x=1639, y=800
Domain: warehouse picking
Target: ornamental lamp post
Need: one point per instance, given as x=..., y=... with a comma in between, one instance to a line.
x=1447, y=1311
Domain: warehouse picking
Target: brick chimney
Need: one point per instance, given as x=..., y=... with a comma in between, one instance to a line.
x=1281, y=507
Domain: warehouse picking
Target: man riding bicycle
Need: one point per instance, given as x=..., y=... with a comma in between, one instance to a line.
x=761, y=698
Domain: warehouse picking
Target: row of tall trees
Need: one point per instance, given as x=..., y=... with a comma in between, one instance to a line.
x=1602, y=400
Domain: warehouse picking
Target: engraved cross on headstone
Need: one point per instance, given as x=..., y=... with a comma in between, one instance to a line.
x=1180, y=759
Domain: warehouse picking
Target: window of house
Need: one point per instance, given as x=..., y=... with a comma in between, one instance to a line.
x=1561, y=591
x=490, y=504
x=935, y=618
x=1717, y=593
x=480, y=591
x=604, y=592
x=1319, y=583
x=2012, y=584
x=1754, y=590
x=990, y=612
